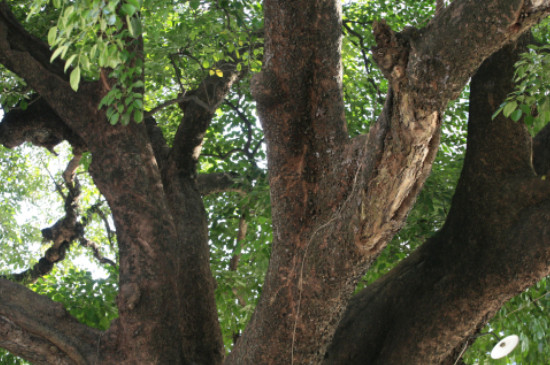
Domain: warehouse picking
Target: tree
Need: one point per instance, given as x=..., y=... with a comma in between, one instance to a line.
x=336, y=200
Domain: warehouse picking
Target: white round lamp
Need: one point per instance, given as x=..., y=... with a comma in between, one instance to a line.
x=504, y=347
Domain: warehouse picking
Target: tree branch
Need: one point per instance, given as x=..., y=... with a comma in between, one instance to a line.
x=199, y=106
x=29, y=58
x=363, y=49
x=27, y=318
x=325, y=237
x=84, y=242
x=19, y=40
x=158, y=142
x=459, y=278
x=63, y=232
x=38, y=124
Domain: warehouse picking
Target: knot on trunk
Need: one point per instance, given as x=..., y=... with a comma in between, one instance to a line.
x=391, y=52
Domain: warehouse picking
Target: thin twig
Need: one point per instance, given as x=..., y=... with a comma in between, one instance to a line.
x=245, y=119
x=223, y=156
x=362, y=47
x=96, y=208
x=84, y=242
x=179, y=100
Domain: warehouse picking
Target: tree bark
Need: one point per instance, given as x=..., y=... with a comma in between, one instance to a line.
x=336, y=202
x=491, y=247
x=166, y=303
x=40, y=330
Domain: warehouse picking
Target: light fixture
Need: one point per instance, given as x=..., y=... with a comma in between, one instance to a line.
x=504, y=346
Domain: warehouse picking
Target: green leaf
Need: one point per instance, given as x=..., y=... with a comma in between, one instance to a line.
x=138, y=116
x=138, y=104
x=509, y=108
x=75, y=78
x=69, y=62
x=114, y=118
x=516, y=115
x=52, y=34
x=136, y=3
x=137, y=84
x=85, y=62
x=58, y=52
x=497, y=112
x=135, y=25
x=128, y=9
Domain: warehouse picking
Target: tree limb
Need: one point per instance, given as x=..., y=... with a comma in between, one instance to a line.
x=29, y=58
x=437, y=298
x=38, y=124
x=199, y=107
x=44, y=325
x=63, y=232
x=324, y=243
x=19, y=40
x=158, y=142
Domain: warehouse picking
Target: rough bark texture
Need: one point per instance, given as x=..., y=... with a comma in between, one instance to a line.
x=490, y=249
x=41, y=330
x=164, y=269
x=335, y=202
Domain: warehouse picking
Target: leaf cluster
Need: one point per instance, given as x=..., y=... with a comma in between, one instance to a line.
x=530, y=100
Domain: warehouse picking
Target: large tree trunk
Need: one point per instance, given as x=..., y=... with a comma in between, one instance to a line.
x=167, y=313
x=336, y=202
x=493, y=245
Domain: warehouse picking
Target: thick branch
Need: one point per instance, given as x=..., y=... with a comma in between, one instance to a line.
x=334, y=208
x=61, y=234
x=22, y=41
x=158, y=142
x=49, y=332
x=38, y=124
x=430, y=304
x=426, y=68
x=29, y=58
x=464, y=33
x=199, y=106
